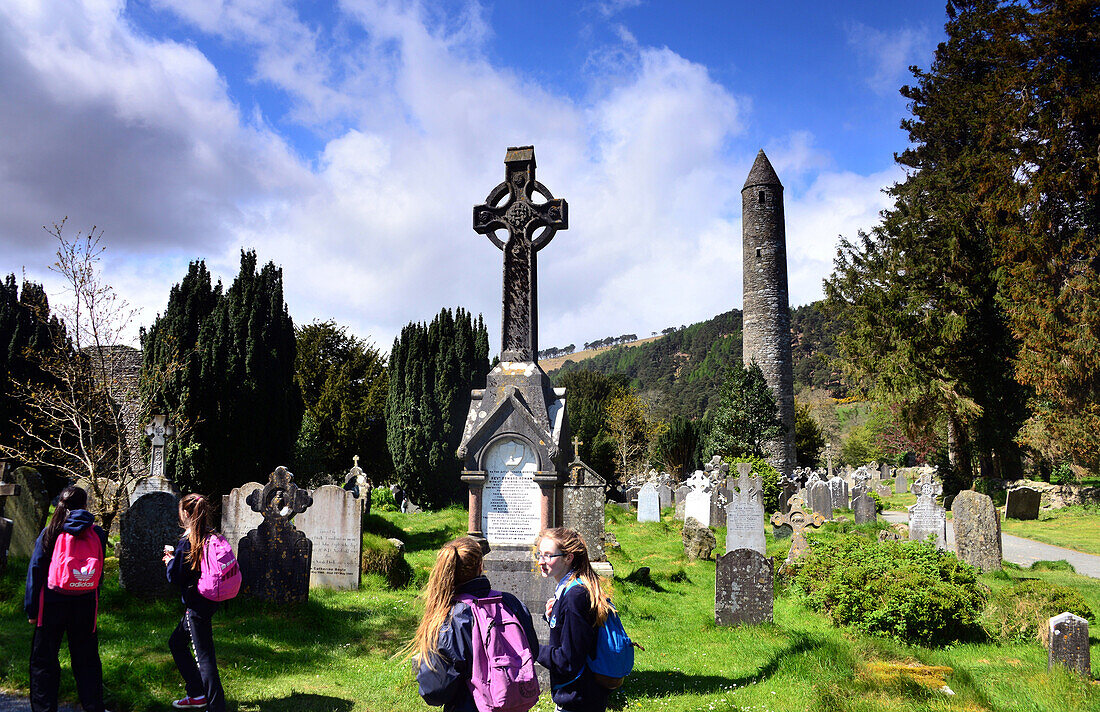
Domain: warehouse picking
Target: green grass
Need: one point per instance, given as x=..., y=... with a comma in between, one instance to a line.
x=335, y=653
x=1076, y=528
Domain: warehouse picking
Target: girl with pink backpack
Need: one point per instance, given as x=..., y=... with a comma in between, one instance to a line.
x=197, y=563
x=62, y=599
x=466, y=625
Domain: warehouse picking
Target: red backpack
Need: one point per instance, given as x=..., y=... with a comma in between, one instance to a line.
x=502, y=675
x=76, y=565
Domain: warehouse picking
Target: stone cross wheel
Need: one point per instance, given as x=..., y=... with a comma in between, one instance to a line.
x=509, y=207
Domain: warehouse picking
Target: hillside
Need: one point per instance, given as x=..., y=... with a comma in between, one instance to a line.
x=681, y=372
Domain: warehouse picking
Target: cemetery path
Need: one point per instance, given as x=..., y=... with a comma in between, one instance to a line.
x=1020, y=551
x=10, y=702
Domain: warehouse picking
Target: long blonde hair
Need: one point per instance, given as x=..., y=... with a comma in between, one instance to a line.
x=599, y=591
x=195, y=520
x=456, y=563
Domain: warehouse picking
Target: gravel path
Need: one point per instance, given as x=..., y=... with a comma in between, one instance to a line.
x=1018, y=550
x=14, y=703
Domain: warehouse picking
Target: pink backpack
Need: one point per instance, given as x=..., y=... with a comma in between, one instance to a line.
x=219, y=574
x=502, y=675
x=76, y=564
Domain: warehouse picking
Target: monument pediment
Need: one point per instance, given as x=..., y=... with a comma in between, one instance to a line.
x=506, y=409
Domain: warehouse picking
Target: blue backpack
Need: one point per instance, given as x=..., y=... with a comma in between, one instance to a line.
x=614, y=657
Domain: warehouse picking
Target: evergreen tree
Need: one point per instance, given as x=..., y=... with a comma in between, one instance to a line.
x=432, y=370
x=809, y=439
x=679, y=447
x=587, y=394
x=746, y=417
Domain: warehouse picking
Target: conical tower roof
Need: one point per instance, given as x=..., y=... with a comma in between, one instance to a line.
x=762, y=173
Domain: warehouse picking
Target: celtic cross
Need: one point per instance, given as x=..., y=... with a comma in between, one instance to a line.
x=509, y=207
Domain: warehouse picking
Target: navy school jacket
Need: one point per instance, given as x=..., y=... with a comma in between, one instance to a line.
x=181, y=574
x=572, y=643
x=77, y=521
x=448, y=683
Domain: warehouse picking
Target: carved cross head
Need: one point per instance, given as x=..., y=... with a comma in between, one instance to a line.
x=509, y=206
x=159, y=429
x=280, y=498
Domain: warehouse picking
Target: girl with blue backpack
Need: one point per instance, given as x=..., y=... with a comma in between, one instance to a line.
x=195, y=630
x=580, y=607
x=62, y=599
x=465, y=625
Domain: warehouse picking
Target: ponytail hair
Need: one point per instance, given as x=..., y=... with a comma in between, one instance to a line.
x=456, y=563
x=599, y=590
x=195, y=519
x=70, y=499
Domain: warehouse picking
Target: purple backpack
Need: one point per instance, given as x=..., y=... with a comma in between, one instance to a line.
x=502, y=676
x=219, y=574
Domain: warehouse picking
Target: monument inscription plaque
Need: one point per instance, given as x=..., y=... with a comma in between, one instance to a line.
x=512, y=498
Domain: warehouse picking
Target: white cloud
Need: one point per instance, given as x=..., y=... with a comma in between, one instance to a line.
x=888, y=54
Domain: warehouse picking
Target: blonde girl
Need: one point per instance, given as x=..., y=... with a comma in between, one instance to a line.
x=443, y=640
x=581, y=603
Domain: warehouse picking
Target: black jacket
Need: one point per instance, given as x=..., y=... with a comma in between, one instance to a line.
x=572, y=643
x=77, y=521
x=181, y=574
x=448, y=683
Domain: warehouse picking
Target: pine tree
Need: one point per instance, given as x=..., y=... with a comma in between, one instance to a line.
x=432, y=370
x=746, y=418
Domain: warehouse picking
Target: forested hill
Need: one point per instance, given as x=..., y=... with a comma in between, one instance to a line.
x=681, y=372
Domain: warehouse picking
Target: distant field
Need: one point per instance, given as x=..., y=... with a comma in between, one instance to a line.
x=553, y=364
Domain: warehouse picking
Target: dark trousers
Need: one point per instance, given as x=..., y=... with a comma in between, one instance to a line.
x=200, y=669
x=74, y=619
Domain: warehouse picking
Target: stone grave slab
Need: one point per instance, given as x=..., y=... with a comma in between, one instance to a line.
x=1023, y=503
x=275, y=557
x=334, y=524
x=1069, y=644
x=901, y=483
x=664, y=495
x=585, y=498
x=152, y=483
x=798, y=519
x=697, y=507
x=237, y=517
x=743, y=588
x=146, y=526
x=977, y=530
x=649, y=503
x=745, y=512
x=27, y=510
x=927, y=518
x=819, y=499
x=863, y=508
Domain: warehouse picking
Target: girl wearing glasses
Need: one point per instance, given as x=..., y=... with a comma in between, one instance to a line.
x=580, y=605
x=442, y=645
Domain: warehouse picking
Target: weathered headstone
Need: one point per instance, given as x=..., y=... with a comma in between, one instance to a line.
x=927, y=518
x=146, y=526
x=697, y=506
x=158, y=431
x=977, y=530
x=743, y=588
x=699, y=541
x=820, y=500
x=838, y=493
x=789, y=489
x=275, y=557
x=357, y=482
x=901, y=483
x=883, y=491
x=798, y=518
x=720, y=496
x=237, y=517
x=884, y=471
x=664, y=495
x=152, y=483
x=649, y=503
x=679, y=500
x=745, y=512
x=334, y=524
x=1069, y=643
x=1023, y=503
x=863, y=508
x=27, y=510
x=585, y=498
x=7, y=489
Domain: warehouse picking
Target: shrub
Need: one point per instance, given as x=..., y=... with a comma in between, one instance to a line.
x=381, y=500
x=381, y=556
x=1020, y=612
x=908, y=591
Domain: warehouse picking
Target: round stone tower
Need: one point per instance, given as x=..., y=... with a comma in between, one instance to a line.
x=766, y=335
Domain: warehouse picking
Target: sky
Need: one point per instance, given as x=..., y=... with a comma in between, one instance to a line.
x=348, y=141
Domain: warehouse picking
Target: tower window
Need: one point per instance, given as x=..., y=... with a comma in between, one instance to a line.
x=762, y=197
x=759, y=253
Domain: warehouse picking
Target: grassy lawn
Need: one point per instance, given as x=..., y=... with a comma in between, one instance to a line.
x=1076, y=528
x=335, y=653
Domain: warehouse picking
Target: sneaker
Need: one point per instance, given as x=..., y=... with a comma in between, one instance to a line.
x=188, y=703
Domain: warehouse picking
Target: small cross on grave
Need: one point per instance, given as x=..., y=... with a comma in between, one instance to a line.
x=509, y=207
x=745, y=489
x=577, y=447
x=798, y=518
x=355, y=461
x=158, y=431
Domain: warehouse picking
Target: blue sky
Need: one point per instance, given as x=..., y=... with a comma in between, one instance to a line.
x=348, y=141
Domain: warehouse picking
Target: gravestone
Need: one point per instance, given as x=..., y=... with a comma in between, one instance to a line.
x=883, y=491
x=927, y=518
x=745, y=512
x=1069, y=644
x=333, y=523
x=357, y=482
x=790, y=489
x=649, y=503
x=7, y=489
x=838, y=492
x=901, y=483
x=699, y=541
x=1023, y=503
x=977, y=530
x=150, y=484
x=664, y=495
x=863, y=508
x=146, y=526
x=798, y=518
x=719, y=498
x=27, y=510
x=275, y=557
x=237, y=517
x=585, y=499
x=679, y=500
x=820, y=500
x=697, y=506
x=743, y=588
x=158, y=431
x=884, y=471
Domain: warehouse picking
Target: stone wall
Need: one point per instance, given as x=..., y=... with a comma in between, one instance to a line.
x=124, y=371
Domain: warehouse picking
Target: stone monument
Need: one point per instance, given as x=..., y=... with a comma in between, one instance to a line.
x=797, y=518
x=333, y=523
x=698, y=502
x=158, y=430
x=7, y=489
x=926, y=517
x=821, y=501
x=745, y=512
x=275, y=557
x=649, y=503
x=863, y=507
x=27, y=507
x=901, y=483
x=585, y=498
x=977, y=530
x=1069, y=643
x=357, y=482
x=147, y=525
x=743, y=588
x=237, y=517
x=1023, y=503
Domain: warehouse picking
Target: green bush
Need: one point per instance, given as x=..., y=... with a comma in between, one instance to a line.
x=908, y=591
x=1020, y=612
x=769, y=478
x=381, y=556
x=381, y=500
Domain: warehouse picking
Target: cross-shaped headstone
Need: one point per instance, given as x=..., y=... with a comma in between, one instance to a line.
x=797, y=518
x=280, y=498
x=158, y=430
x=577, y=447
x=745, y=488
x=509, y=207
x=355, y=461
